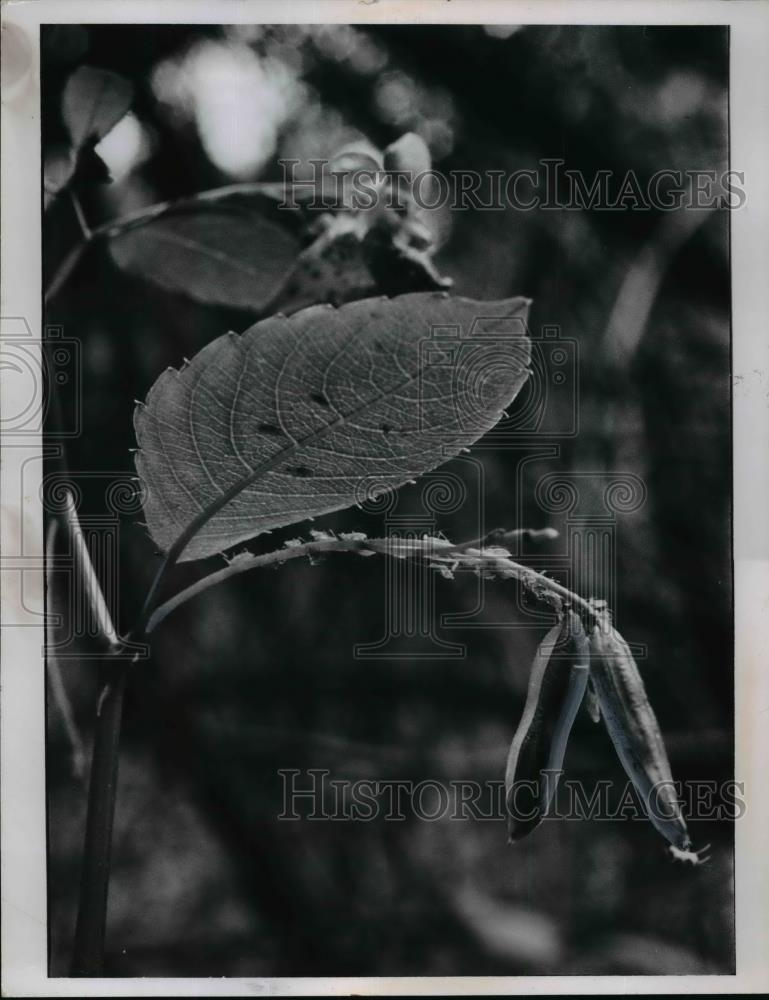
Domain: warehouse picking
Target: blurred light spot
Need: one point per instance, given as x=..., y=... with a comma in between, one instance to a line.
x=512, y=932
x=319, y=132
x=99, y=354
x=248, y=33
x=395, y=97
x=681, y=95
x=501, y=30
x=437, y=102
x=124, y=147
x=438, y=135
x=345, y=44
x=368, y=56
x=335, y=41
x=239, y=101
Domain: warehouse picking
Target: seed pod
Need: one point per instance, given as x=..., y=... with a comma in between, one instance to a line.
x=556, y=688
x=591, y=702
x=635, y=732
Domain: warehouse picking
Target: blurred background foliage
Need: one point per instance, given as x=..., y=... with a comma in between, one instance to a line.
x=259, y=674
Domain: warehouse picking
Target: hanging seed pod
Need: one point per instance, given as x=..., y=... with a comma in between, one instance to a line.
x=635, y=733
x=557, y=685
x=591, y=702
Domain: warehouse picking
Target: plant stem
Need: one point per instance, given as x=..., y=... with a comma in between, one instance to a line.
x=438, y=552
x=85, y=229
x=88, y=950
x=65, y=269
x=88, y=954
x=87, y=576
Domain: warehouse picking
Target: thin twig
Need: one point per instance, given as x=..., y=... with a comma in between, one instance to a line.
x=66, y=268
x=86, y=574
x=72, y=733
x=85, y=229
x=53, y=670
x=92, y=907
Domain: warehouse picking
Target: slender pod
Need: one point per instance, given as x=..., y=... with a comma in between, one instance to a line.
x=556, y=688
x=635, y=733
x=591, y=702
x=577, y=670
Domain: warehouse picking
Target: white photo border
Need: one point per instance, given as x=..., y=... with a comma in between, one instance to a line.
x=22, y=723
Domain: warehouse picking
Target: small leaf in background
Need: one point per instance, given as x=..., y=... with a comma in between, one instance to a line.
x=409, y=153
x=58, y=168
x=557, y=686
x=234, y=253
x=304, y=415
x=332, y=269
x=356, y=156
x=242, y=250
x=357, y=255
x=94, y=101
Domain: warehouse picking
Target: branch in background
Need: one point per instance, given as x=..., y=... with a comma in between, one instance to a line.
x=440, y=554
x=53, y=671
x=96, y=856
x=641, y=284
x=503, y=537
x=59, y=608
x=85, y=573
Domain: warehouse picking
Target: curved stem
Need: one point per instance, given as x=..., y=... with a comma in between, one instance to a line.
x=438, y=552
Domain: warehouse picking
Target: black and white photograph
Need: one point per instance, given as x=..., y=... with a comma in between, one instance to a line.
x=385, y=467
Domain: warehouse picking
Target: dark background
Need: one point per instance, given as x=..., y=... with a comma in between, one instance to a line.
x=259, y=673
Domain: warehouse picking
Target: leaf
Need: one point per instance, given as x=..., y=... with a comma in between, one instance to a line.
x=301, y=416
x=94, y=101
x=234, y=252
x=332, y=269
x=357, y=256
x=58, y=168
x=408, y=153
